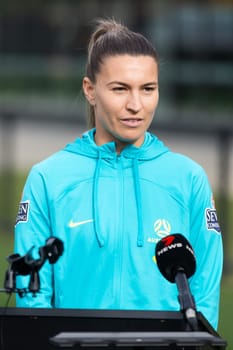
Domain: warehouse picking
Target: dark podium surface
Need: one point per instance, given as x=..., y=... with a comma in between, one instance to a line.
x=51, y=329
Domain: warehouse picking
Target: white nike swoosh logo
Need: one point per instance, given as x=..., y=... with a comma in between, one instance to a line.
x=73, y=224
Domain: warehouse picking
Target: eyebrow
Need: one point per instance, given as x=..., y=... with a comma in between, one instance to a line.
x=154, y=83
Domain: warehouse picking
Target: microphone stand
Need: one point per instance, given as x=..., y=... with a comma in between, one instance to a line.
x=26, y=265
x=186, y=299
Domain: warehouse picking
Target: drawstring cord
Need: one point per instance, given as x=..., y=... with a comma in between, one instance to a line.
x=99, y=236
x=138, y=202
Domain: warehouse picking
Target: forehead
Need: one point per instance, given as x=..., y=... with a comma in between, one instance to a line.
x=128, y=67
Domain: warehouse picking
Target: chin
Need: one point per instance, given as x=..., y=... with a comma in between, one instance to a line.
x=129, y=140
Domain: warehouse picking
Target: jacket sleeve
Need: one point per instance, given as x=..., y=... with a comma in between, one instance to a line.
x=206, y=240
x=32, y=229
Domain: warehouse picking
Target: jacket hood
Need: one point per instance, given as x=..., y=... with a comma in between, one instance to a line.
x=151, y=148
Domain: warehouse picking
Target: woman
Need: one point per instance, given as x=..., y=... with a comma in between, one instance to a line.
x=111, y=195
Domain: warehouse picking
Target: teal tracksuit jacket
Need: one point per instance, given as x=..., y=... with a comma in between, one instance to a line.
x=110, y=210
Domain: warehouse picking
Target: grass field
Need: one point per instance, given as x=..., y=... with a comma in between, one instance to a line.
x=6, y=248
x=226, y=311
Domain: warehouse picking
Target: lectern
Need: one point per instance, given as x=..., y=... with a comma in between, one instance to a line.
x=51, y=329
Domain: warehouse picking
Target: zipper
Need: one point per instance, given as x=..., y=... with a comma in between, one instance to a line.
x=119, y=234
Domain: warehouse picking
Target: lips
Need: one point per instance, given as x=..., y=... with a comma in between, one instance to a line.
x=131, y=122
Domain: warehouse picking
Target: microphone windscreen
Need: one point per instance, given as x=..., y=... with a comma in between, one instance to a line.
x=172, y=253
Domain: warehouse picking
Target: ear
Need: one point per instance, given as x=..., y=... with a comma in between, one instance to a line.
x=89, y=90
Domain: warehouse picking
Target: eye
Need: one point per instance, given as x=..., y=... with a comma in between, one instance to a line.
x=149, y=88
x=119, y=88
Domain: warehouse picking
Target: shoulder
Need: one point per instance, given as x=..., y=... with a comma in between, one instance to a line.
x=51, y=163
x=181, y=163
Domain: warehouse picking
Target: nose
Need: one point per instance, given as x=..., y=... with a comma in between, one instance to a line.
x=134, y=103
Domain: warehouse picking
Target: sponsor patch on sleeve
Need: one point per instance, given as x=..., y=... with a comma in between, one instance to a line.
x=212, y=220
x=23, y=212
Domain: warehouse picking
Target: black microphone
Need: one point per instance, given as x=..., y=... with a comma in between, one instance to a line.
x=176, y=261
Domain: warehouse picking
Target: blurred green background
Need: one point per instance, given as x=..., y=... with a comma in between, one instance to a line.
x=42, y=61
